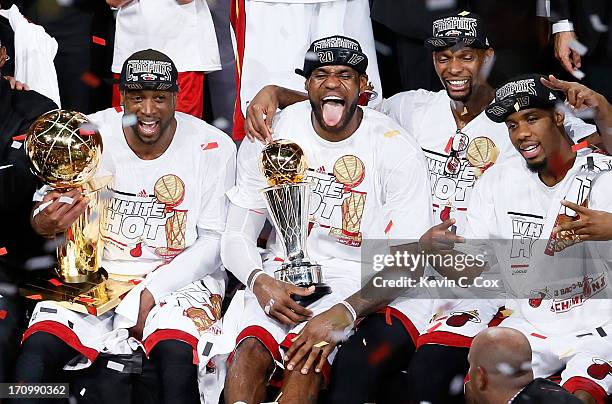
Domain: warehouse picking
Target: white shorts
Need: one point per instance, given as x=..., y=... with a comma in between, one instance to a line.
x=278, y=35
x=182, y=315
x=586, y=358
x=414, y=314
x=455, y=322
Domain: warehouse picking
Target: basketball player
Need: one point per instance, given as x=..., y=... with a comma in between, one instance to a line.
x=268, y=53
x=369, y=183
x=557, y=283
x=459, y=143
x=163, y=226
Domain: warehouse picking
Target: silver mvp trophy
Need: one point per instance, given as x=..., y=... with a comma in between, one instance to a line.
x=287, y=198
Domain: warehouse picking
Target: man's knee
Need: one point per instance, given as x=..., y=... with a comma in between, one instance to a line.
x=585, y=397
x=254, y=352
x=173, y=352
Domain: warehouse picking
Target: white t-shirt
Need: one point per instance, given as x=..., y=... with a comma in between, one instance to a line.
x=183, y=32
x=372, y=185
x=513, y=211
x=156, y=205
x=428, y=117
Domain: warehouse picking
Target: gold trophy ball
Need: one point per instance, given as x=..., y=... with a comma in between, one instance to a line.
x=62, y=153
x=349, y=170
x=482, y=152
x=169, y=190
x=283, y=162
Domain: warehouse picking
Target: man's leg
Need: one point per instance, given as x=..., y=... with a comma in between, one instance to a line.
x=299, y=388
x=177, y=373
x=10, y=315
x=248, y=373
x=369, y=358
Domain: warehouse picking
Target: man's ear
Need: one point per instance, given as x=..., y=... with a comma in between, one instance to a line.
x=482, y=379
x=2, y=56
x=306, y=82
x=363, y=82
x=489, y=55
x=559, y=118
x=122, y=98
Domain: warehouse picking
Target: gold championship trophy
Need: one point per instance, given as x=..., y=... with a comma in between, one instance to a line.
x=65, y=156
x=284, y=165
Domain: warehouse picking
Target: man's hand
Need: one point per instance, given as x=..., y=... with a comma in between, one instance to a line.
x=147, y=302
x=259, y=115
x=578, y=96
x=591, y=224
x=318, y=338
x=17, y=85
x=569, y=58
x=59, y=211
x=439, y=237
x=274, y=297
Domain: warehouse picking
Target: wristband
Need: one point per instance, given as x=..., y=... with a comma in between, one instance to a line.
x=350, y=309
x=251, y=282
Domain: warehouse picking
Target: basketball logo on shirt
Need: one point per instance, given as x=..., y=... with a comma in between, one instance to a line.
x=338, y=189
x=170, y=190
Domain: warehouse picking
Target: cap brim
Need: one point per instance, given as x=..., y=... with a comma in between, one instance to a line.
x=301, y=73
x=500, y=111
x=442, y=42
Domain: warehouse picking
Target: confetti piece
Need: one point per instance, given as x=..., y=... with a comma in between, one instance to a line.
x=578, y=47
x=311, y=56
x=3, y=314
x=42, y=262
x=16, y=145
x=91, y=79
x=66, y=199
x=65, y=3
x=517, y=107
x=505, y=369
x=320, y=344
x=382, y=48
x=364, y=342
x=579, y=74
x=392, y=133
x=389, y=226
x=456, y=385
x=98, y=41
x=597, y=24
x=85, y=299
x=53, y=244
x=209, y=146
x=464, y=13
x=3, y=251
x=533, y=334
x=82, y=392
x=34, y=297
x=4, y=167
x=115, y=366
x=128, y=120
x=55, y=282
x=434, y=5
x=119, y=108
x=579, y=146
x=465, y=111
x=449, y=145
x=221, y=123
x=526, y=365
x=87, y=129
x=20, y=138
x=135, y=281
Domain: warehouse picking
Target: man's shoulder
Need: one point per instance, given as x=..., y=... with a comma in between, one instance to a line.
x=388, y=133
x=544, y=391
x=31, y=104
x=207, y=136
x=419, y=96
x=508, y=171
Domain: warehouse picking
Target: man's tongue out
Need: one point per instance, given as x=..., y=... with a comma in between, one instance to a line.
x=332, y=112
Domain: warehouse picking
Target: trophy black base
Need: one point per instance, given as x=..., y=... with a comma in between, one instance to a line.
x=321, y=289
x=95, y=296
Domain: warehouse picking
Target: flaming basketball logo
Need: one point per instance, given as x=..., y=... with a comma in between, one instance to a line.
x=170, y=190
x=350, y=171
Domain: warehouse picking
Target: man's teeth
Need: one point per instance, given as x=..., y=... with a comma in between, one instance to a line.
x=529, y=148
x=333, y=98
x=457, y=82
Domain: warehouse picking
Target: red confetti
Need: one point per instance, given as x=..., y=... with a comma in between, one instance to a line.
x=389, y=226
x=533, y=334
x=119, y=109
x=449, y=145
x=98, y=41
x=92, y=310
x=85, y=132
x=278, y=259
x=3, y=251
x=580, y=146
x=435, y=327
x=34, y=297
x=19, y=138
x=3, y=314
x=388, y=316
x=91, y=79
x=86, y=299
x=209, y=146
x=135, y=281
x=380, y=354
x=55, y=282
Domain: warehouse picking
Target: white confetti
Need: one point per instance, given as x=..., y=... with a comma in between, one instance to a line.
x=597, y=24
x=65, y=3
x=578, y=47
x=3, y=167
x=40, y=208
x=221, y=123
x=505, y=369
x=82, y=392
x=311, y=56
x=128, y=120
x=526, y=365
x=440, y=4
x=579, y=74
x=66, y=199
x=42, y=262
x=383, y=49
x=89, y=127
x=115, y=366
x=456, y=385
x=16, y=144
x=7, y=289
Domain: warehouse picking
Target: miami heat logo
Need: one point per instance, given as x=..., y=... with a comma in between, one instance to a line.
x=350, y=172
x=600, y=369
x=170, y=190
x=204, y=318
x=460, y=318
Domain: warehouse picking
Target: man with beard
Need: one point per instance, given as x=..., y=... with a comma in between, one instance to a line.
x=460, y=143
x=18, y=242
x=162, y=230
x=369, y=182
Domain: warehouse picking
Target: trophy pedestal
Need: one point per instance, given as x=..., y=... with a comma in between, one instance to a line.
x=304, y=275
x=94, y=296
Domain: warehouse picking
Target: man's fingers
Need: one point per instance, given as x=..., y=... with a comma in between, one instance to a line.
x=291, y=314
x=554, y=83
x=445, y=224
x=298, y=354
x=575, y=207
x=277, y=314
x=296, y=344
x=296, y=290
x=312, y=357
x=566, y=63
x=323, y=358
x=573, y=225
x=576, y=59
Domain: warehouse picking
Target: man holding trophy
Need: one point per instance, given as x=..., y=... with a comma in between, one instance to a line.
x=162, y=224
x=335, y=176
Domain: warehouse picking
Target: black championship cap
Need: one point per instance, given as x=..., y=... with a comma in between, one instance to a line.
x=522, y=92
x=334, y=50
x=464, y=27
x=149, y=70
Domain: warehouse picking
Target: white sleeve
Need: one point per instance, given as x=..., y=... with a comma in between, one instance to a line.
x=576, y=128
x=407, y=194
x=601, y=199
x=249, y=180
x=239, y=242
x=399, y=108
x=203, y=257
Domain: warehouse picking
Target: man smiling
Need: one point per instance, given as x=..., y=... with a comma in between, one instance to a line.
x=369, y=182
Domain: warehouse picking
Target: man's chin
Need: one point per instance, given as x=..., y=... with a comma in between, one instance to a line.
x=536, y=167
x=461, y=97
